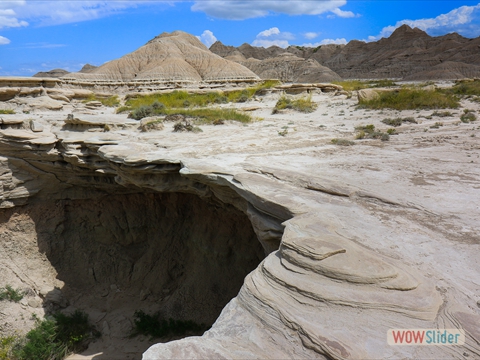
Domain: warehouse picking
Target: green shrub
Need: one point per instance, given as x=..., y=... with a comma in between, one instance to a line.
x=6, y=112
x=6, y=347
x=366, y=128
x=157, y=327
x=54, y=338
x=392, y=131
x=409, y=99
x=8, y=293
x=468, y=117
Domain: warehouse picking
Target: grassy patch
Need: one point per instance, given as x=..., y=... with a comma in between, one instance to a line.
x=157, y=327
x=53, y=338
x=304, y=104
x=111, y=101
x=399, y=121
x=410, y=99
x=466, y=88
x=369, y=132
x=342, y=142
x=183, y=99
x=6, y=112
x=10, y=294
x=351, y=85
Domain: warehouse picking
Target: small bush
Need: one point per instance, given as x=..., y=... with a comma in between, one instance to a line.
x=351, y=85
x=392, y=131
x=468, y=117
x=157, y=327
x=6, y=347
x=6, y=112
x=342, y=142
x=366, y=128
x=466, y=88
x=360, y=135
x=10, y=294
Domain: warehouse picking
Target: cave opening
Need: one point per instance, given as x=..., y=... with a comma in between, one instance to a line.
x=172, y=253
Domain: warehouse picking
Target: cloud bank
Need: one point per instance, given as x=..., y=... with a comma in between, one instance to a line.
x=464, y=20
x=207, y=38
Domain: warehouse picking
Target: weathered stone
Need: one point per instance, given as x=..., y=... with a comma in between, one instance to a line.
x=367, y=95
x=36, y=127
x=151, y=124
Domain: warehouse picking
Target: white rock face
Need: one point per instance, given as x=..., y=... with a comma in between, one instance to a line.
x=360, y=239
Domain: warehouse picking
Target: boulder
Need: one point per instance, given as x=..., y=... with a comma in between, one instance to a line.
x=8, y=93
x=367, y=95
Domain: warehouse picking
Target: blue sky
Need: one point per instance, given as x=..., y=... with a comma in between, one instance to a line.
x=38, y=35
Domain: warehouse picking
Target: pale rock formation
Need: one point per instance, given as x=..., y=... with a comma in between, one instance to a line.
x=170, y=57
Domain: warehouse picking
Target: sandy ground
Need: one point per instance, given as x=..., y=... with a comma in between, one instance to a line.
x=433, y=173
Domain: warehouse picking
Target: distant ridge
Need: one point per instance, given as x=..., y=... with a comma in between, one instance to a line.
x=409, y=53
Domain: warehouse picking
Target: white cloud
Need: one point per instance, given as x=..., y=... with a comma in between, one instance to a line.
x=273, y=36
x=4, y=40
x=53, y=12
x=311, y=35
x=341, y=41
x=344, y=14
x=239, y=10
x=464, y=20
x=207, y=38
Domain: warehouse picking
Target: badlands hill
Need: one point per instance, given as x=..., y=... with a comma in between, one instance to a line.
x=169, y=57
x=409, y=54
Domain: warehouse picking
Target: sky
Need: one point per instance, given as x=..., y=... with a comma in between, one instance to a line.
x=38, y=35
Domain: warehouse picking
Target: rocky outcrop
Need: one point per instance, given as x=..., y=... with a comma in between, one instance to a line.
x=175, y=57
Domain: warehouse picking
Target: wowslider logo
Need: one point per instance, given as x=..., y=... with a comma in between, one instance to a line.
x=426, y=337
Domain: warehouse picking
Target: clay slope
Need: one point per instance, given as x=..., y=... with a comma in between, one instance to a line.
x=174, y=57
x=290, y=68
x=55, y=73
x=407, y=54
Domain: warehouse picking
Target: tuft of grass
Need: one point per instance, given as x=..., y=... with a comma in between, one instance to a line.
x=157, y=327
x=342, y=142
x=55, y=337
x=6, y=347
x=304, y=104
x=468, y=117
x=399, y=121
x=410, y=99
x=392, y=131
x=6, y=112
x=369, y=132
x=10, y=294
x=441, y=114
x=436, y=125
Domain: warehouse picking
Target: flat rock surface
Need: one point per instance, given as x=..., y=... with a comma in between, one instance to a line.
x=377, y=236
